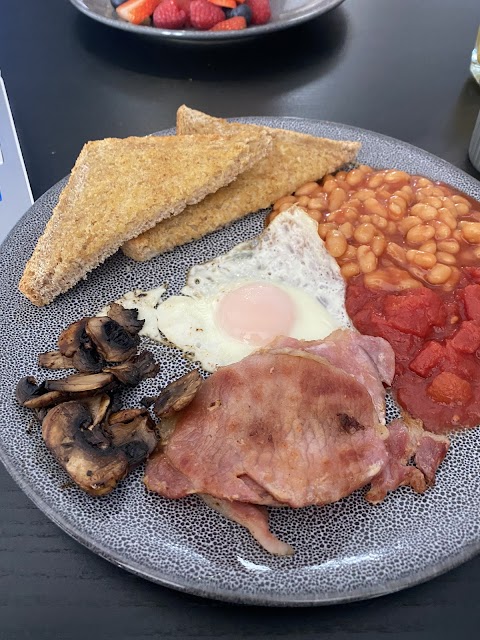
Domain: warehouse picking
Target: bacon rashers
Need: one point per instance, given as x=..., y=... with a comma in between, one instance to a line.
x=295, y=424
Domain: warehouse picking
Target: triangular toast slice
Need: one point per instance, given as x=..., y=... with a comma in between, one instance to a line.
x=119, y=188
x=294, y=158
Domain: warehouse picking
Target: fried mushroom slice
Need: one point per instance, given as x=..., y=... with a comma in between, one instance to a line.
x=113, y=342
x=82, y=382
x=75, y=343
x=54, y=360
x=127, y=318
x=36, y=396
x=133, y=371
x=177, y=395
x=133, y=431
x=98, y=407
x=95, y=470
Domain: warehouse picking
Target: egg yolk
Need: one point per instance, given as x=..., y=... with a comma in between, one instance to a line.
x=256, y=313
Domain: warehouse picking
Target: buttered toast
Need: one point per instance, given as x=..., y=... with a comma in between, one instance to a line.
x=294, y=158
x=119, y=188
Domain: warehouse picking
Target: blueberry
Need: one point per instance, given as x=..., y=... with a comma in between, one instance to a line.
x=116, y=3
x=242, y=10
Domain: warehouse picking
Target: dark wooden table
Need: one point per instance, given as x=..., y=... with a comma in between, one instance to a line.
x=399, y=67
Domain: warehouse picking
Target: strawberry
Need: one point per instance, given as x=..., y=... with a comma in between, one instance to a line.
x=204, y=15
x=136, y=11
x=228, y=4
x=261, y=12
x=232, y=24
x=168, y=16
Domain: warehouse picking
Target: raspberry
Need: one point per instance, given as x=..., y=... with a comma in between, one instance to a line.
x=261, y=12
x=232, y=24
x=205, y=15
x=168, y=16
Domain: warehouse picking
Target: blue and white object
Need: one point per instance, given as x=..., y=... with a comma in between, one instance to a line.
x=15, y=193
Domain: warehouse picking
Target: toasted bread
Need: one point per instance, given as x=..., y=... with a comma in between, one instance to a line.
x=294, y=158
x=120, y=188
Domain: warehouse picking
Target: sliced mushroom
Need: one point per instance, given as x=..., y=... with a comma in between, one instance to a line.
x=127, y=318
x=75, y=343
x=82, y=382
x=113, y=342
x=133, y=431
x=177, y=395
x=71, y=338
x=133, y=371
x=97, y=471
x=55, y=360
x=98, y=407
x=33, y=396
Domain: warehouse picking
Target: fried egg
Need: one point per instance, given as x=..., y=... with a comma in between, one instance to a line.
x=283, y=282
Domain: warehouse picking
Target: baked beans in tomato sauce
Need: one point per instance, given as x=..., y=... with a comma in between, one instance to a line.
x=408, y=248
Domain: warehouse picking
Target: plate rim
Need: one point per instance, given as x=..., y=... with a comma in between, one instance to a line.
x=386, y=587
x=206, y=37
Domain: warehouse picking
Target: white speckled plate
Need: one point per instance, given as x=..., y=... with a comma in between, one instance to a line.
x=346, y=551
x=285, y=13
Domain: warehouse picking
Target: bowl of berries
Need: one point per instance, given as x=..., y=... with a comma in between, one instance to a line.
x=203, y=20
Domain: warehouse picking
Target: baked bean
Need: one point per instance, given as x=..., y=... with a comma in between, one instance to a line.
x=396, y=176
x=319, y=203
x=439, y=274
x=445, y=258
x=420, y=234
x=271, y=216
x=476, y=252
x=438, y=192
x=306, y=189
x=350, y=253
x=460, y=199
x=284, y=206
x=347, y=229
x=351, y=214
x=318, y=193
x=367, y=260
x=391, y=228
x=471, y=232
x=424, y=182
x=421, y=258
x=424, y=211
x=430, y=246
x=457, y=234
x=324, y=228
x=396, y=252
x=445, y=216
x=349, y=270
x=303, y=201
x=400, y=281
x=336, y=198
x=397, y=207
x=448, y=204
x=378, y=245
x=364, y=233
x=364, y=218
x=354, y=202
x=286, y=199
x=449, y=246
x=330, y=185
x=423, y=194
x=315, y=214
x=408, y=223
x=442, y=231
x=373, y=206
x=355, y=177
x=383, y=194
x=375, y=181
x=462, y=209
x=365, y=168
x=379, y=222
x=336, y=243
x=434, y=202
x=364, y=194
x=340, y=175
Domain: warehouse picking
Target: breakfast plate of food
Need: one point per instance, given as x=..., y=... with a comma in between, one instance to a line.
x=203, y=21
x=242, y=359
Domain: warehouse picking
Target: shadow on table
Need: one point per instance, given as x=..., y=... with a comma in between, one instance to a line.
x=317, y=44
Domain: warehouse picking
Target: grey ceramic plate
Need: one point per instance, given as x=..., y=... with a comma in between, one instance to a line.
x=346, y=551
x=285, y=13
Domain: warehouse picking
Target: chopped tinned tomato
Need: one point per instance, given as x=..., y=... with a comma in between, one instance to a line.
x=471, y=300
